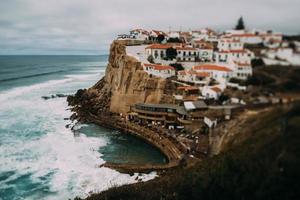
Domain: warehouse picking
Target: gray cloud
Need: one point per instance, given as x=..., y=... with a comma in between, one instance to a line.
x=88, y=26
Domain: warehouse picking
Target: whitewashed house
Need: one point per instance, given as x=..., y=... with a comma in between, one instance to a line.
x=191, y=76
x=157, y=51
x=186, y=54
x=281, y=56
x=153, y=34
x=231, y=50
x=211, y=92
x=229, y=43
x=219, y=73
x=248, y=38
x=205, y=50
x=162, y=71
x=139, y=34
x=174, y=34
x=243, y=70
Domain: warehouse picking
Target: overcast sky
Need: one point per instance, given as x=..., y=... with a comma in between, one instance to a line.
x=88, y=26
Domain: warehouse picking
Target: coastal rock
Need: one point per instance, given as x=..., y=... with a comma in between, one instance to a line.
x=125, y=83
x=54, y=96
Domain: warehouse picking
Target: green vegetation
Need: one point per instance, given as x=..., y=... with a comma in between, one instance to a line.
x=257, y=62
x=291, y=37
x=240, y=24
x=238, y=81
x=150, y=59
x=263, y=162
x=276, y=78
x=177, y=66
x=160, y=38
x=174, y=40
x=171, y=53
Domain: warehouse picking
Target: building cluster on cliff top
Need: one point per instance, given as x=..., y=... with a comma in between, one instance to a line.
x=203, y=56
x=203, y=65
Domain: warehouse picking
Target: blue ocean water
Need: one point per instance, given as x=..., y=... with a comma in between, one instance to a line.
x=39, y=157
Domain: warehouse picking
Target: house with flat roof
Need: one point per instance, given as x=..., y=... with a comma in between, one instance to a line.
x=162, y=71
x=217, y=72
x=159, y=113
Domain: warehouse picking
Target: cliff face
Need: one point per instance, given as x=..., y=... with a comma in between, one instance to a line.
x=125, y=83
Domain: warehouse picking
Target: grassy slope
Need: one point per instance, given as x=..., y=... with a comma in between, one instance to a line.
x=265, y=166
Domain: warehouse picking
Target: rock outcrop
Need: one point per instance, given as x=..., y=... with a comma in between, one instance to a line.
x=125, y=83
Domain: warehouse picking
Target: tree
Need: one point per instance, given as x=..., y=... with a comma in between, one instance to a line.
x=257, y=62
x=177, y=66
x=160, y=38
x=174, y=40
x=240, y=25
x=171, y=53
x=150, y=59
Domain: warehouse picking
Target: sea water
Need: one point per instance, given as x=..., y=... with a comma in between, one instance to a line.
x=39, y=157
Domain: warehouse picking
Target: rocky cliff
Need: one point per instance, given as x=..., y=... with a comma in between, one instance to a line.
x=125, y=83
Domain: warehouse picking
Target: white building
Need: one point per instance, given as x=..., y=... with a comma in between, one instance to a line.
x=157, y=51
x=139, y=34
x=219, y=73
x=281, y=56
x=248, y=38
x=213, y=92
x=230, y=56
x=159, y=70
x=186, y=54
x=242, y=70
x=229, y=43
x=205, y=50
x=191, y=76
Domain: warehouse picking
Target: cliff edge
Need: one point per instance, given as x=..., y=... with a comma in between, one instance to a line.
x=125, y=83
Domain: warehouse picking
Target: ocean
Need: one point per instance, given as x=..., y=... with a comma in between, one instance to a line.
x=40, y=158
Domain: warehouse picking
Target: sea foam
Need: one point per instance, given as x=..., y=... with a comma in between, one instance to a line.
x=55, y=159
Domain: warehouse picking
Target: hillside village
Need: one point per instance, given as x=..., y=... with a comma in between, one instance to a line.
x=184, y=92
x=202, y=57
x=203, y=64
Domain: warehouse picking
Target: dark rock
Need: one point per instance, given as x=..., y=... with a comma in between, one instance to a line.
x=45, y=97
x=61, y=95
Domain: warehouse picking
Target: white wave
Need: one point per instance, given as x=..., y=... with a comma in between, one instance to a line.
x=73, y=161
x=84, y=76
x=10, y=94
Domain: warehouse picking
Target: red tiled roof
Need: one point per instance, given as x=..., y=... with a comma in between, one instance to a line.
x=244, y=35
x=234, y=51
x=216, y=89
x=199, y=74
x=159, y=46
x=159, y=32
x=212, y=67
x=186, y=48
x=159, y=67
x=242, y=64
x=182, y=72
x=231, y=40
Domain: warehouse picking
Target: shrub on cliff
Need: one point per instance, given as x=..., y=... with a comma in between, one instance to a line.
x=160, y=38
x=150, y=59
x=177, y=66
x=171, y=53
x=257, y=62
x=174, y=40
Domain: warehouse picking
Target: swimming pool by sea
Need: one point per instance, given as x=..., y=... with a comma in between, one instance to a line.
x=39, y=157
